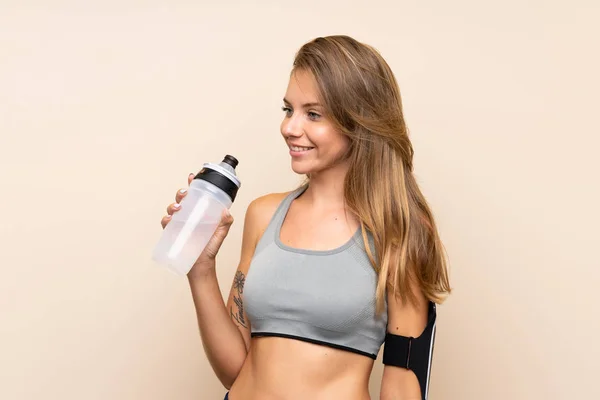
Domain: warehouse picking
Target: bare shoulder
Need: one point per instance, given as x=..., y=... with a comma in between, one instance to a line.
x=261, y=210
x=259, y=213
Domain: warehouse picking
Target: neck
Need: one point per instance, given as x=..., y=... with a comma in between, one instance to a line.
x=326, y=187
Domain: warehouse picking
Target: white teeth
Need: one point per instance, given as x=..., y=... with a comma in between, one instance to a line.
x=296, y=148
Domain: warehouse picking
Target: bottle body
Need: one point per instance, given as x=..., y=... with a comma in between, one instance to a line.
x=186, y=235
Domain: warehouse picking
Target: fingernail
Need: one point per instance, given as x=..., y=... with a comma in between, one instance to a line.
x=182, y=191
x=227, y=213
x=176, y=205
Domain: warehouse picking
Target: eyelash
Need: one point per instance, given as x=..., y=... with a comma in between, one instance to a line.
x=311, y=115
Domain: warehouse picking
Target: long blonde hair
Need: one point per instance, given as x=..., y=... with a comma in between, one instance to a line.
x=362, y=98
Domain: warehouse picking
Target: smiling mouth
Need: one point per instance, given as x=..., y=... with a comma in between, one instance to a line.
x=299, y=149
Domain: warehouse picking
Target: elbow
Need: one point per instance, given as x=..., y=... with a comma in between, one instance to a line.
x=228, y=376
x=227, y=380
x=228, y=368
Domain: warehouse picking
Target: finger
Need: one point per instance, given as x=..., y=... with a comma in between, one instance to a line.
x=173, y=207
x=165, y=220
x=223, y=228
x=190, y=178
x=226, y=218
x=180, y=195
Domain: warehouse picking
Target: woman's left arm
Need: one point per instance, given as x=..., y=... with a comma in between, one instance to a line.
x=406, y=321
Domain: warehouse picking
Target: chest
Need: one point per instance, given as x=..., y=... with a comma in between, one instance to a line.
x=331, y=291
x=319, y=231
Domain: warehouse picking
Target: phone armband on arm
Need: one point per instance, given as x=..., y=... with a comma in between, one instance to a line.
x=412, y=353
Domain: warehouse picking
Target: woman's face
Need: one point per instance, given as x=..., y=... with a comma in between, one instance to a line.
x=314, y=142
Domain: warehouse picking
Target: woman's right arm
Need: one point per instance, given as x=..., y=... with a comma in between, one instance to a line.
x=225, y=329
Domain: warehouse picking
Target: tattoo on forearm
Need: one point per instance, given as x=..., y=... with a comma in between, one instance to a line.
x=238, y=286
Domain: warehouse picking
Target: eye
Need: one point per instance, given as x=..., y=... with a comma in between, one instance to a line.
x=313, y=116
x=288, y=111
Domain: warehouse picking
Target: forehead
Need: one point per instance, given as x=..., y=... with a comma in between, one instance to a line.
x=302, y=87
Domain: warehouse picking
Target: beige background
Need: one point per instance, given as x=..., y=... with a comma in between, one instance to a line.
x=106, y=106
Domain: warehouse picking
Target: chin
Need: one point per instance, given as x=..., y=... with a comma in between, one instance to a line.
x=302, y=168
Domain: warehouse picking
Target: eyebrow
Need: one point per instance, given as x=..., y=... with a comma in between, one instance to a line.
x=305, y=105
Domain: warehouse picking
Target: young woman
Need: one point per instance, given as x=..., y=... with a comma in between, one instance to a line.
x=348, y=262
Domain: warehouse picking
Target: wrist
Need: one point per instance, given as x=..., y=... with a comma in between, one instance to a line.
x=202, y=271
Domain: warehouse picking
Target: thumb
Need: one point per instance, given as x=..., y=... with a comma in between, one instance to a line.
x=222, y=229
x=226, y=218
x=215, y=242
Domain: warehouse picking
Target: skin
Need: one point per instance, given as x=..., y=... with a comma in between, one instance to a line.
x=259, y=368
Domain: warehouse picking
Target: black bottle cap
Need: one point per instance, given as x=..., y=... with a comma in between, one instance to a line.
x=222, y=176
x=231, y=160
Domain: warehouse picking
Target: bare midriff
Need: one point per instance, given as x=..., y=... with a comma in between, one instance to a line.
x=289, y=369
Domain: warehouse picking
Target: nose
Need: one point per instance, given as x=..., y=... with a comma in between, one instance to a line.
x=292, y=126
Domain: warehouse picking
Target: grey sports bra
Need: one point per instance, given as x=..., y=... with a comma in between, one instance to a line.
x=324, y=297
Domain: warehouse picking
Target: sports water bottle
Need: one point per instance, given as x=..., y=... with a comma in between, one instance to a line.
x=211, y=191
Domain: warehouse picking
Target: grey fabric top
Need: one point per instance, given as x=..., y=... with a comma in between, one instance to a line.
x=324, y=297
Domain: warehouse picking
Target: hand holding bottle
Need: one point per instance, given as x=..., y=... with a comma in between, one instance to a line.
x=199, y=220
x=209, y=253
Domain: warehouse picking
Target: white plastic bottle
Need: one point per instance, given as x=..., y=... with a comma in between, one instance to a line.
x=213, y=189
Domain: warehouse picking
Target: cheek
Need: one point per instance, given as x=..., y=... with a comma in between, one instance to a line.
x=332, y=142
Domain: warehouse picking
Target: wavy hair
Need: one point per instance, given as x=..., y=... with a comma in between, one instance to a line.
x=362, y=98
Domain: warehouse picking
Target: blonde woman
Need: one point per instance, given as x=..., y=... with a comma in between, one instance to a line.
x=347, y=263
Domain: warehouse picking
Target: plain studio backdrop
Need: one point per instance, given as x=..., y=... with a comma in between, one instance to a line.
x=106, y=106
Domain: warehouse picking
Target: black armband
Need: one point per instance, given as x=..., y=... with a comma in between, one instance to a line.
x=413, y=353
